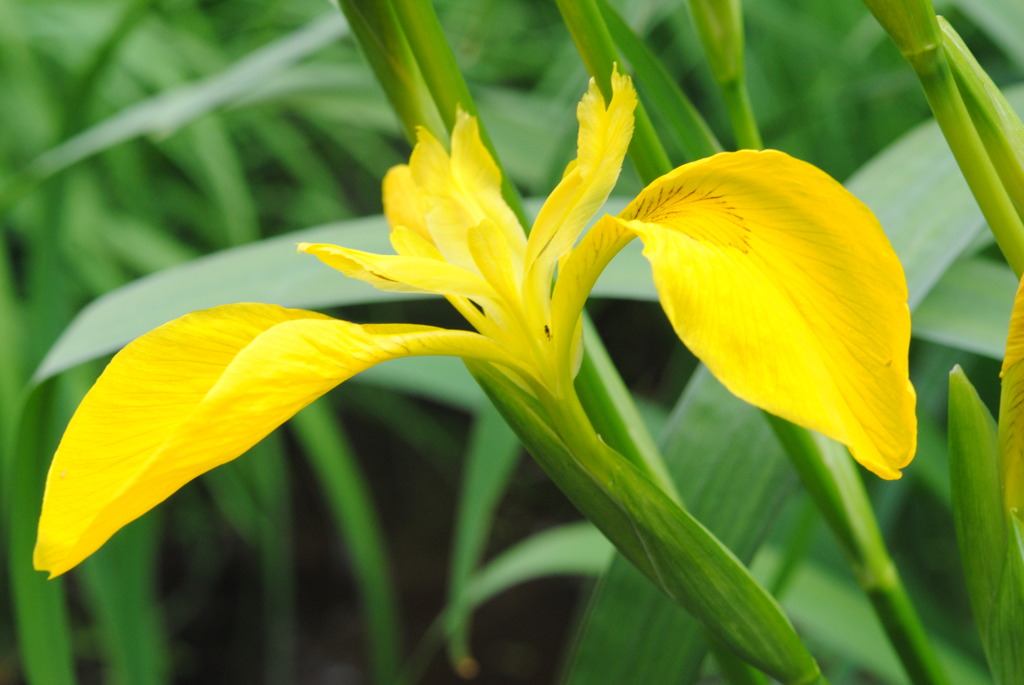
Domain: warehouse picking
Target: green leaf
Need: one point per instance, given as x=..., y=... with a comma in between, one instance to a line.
x=977, y=493
x=267, y=271
x=1004, y=645
x=969, y=308
x=999, y=127
x=490, y=459
x=40, y=612
x=351, y=505
x=121, y=587
x=167, y=112
x=830, y=609
x=570, y=549
x=999, y=19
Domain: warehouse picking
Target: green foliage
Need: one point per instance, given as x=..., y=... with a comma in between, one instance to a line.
x=164, y=156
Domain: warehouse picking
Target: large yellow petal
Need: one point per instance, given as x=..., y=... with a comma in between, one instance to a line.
x=196, y=393
x=603, y=138
x=784, y=284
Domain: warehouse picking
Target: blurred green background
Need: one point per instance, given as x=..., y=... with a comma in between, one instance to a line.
x=136, y=135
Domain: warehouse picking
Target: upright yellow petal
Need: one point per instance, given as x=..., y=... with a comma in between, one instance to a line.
x=403, y=204
x=196, y=393
x=601, y=146
x=784, y=284
x=460, y=190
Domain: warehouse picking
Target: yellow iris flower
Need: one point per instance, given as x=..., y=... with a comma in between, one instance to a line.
x=775, y=276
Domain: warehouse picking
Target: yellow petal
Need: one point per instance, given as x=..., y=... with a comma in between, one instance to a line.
x=784, y=284
x=402, y=273
x=1015, y=340
x=194, y=394
x=576, y=278
x=409, y=243
x=461, y=190
x=493, y=258
x=601, y=146
x=403, y=205
x=1011, y=409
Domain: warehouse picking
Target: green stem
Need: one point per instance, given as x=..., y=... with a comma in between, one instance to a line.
x=448, y=88
x=731, y=668
x=741, y=114
x=609, y=405
x=377, y=30
x=596, y=47
x=940, y=89
x=667, y=98
x=831, y=479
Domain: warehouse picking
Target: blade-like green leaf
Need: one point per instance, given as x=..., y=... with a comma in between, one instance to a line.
x=1005, y=643
x=829, y=607
x=977, y=493
x=268, y=271
x=120, y=584
x=570, y=549
x=490, y=459
x=1000, y=20
x=40, y=612
x=969, y=308
x=167, y=112
x=349, y=499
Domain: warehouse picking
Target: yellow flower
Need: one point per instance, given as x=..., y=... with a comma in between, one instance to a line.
x=776, y=277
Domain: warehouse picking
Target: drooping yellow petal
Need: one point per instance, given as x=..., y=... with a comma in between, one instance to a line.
x=601, y=146
x=460, y=190
x=784, y=284
x=402, y=273
x=196, y=393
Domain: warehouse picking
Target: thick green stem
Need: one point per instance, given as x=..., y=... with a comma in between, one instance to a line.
x=832, y=481
x=596, y=47
x=609, y=405
x=421, y=27
x=948, y=107
x=377, y=29
x=741, y=114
